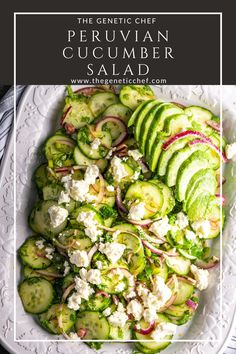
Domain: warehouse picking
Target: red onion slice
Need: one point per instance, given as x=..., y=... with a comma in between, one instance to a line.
x=180, y=105
x=190, y=303
x=214, y=125
x=65, y=142
x=119, y=122
x=207, y=265
x=91, y=252
x=145, y=222
x=102, y=293
x=82, y=332
x=65, y=114
x=221, y=198
x=147, y=330
x=70, y=129
x=49, y=274
x=211, y=145
x=119, y=202
x=67, y=291
x=182, y=135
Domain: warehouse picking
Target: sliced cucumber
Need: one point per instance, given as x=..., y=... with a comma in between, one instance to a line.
x=143, y=115
x=118, y=333
x=75, y=238
x=39, y=219
x=96, y=302
x=118, y=110
x=177, y=310
x=77, y=113
x=179, y=264
x=176, y=123
x=168, y=197
x=196, y=178
x=110, y=281
x=156, y=152
x=30, y=273
x=199, y=207
x=94, y=323
x=185, y=291
x=126, y=227
x=85, y=208
x=82, y=160
x=100, y=101
x=59, y=150
x=149, y=193
x=52, y=191
x=36, y=294
x=32, y=256
x=50, y=319
x=135, y=114
x=85, y=139
x=42, y=177
x=132, y=95
x=198, y=114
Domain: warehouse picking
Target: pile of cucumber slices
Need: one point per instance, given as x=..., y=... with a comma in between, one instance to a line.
x=128, y=202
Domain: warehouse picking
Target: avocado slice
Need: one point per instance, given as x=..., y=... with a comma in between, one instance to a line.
x=141, y=116
x=199, y=207
x=176, y=123
x=165, y=111
x=156, y=152
x=207, y=183
x=176, y=161
x=197, y=161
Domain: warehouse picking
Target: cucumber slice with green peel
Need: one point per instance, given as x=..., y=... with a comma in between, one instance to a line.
x=135, y=114
x=42, y=177
x=99, y=102
x=143, y=115
x=196, y=178
x=151, y=346
x=178, y=264
x=168, y=197
x=118, y=333
x=85, y=140
x=126, y=227
x=94, y=323
x=199, y=207
x=97, y=302
x=31, y=273
x=111, y=281
x=39, y=219
x=85, y=208
x=52, y=191
x=176, y=161
x=166, y=110
x=179, y=321
x=198, y=114
x=197, y=161
x=75, y=238
x=132, y=95
x=186, y=254
x=166, y=155
x=176, y=123
x=132, y=242
x=148, y=193
x=59, y=150
x=156, y=152
x=36, y=294
x=82, y=160
x=213, y=214
x=108, y=197
x=32, y=256
x=58, y=314
x=137, y=263
x=67, y=281
x=77, y=113
x=118, y=110
x=185, y=291
x=207, y=184
x=177, y=310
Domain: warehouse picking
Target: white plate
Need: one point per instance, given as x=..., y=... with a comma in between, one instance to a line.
x=37, y=116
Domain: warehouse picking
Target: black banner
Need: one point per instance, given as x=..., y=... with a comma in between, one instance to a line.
x=118, y=48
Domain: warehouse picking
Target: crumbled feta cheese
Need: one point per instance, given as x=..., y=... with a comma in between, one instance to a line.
x=110, y=188
x=107, y=312
x=49, y=252
x=190, y=235
x=150, y=314
x=99, y=265
x=135, y=154
x=135, y=308
x=57, y=215
x=91, y=174
x=73, y=336
x=64, y=197
x=160, y=227
x=113, y=250
x=79, y=258
x=66, y=180
x=83, y=273
x=162, y=291
x=66, y=268
x=119, y=317
x=91, y=230
x=116, y=234
x=182, y=220
x=201, y=276
x=40, y=244
x=230, y=150
x=95, y=144
x=109, y=155
x=131, y=294
x=118, y=169
x=137, y=211
x=94, y=276
x=83, y=288
x=79, y=190
x=74, y=302
x=120, y=287
x=90, y=198
x=163, y=330
x=142, y=290
x=135, y=175
x=202, y=228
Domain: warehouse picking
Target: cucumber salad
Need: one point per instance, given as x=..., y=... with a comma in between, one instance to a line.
x=128, y=204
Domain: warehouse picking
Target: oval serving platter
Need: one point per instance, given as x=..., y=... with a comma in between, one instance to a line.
x=37, y=118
